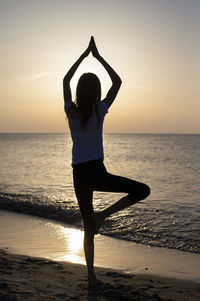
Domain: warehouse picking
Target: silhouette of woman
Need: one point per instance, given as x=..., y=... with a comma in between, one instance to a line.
x=85, y=117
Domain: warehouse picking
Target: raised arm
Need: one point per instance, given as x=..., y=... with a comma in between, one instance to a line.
x=116, y=80
x=66, y=80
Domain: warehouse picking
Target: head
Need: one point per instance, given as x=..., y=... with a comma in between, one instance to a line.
x=88, y=91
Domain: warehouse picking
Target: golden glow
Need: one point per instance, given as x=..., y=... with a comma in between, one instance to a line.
x=90, y=64
x=153, y=45
x=74, y=244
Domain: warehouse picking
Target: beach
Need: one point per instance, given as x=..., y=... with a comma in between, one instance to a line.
x=48, y=268
x=100, y=135
x=30, y=278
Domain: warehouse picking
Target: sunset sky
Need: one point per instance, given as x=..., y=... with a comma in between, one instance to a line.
x=154, y=45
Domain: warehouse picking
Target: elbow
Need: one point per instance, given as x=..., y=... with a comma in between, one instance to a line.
x=118, y=79
x=119, y=82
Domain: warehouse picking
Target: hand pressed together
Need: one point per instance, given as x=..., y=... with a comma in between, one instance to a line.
x=91, y=47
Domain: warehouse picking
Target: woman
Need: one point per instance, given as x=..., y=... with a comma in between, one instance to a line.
x=85, y=118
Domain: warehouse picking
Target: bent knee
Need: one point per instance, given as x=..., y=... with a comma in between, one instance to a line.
x=141, y=193
x=146, y=191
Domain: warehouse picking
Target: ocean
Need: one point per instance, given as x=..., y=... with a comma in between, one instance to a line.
x=36, y=178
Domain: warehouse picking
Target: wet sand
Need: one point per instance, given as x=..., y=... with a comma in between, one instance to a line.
x=40, y=237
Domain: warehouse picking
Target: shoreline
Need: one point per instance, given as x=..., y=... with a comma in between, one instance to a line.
x=30, y=278
x=44, y=238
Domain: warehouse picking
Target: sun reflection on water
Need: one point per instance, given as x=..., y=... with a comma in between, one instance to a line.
x=74, y=244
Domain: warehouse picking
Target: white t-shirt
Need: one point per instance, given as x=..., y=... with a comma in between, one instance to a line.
x=87, y=143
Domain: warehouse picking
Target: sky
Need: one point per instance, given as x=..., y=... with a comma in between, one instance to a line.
x=154, y=46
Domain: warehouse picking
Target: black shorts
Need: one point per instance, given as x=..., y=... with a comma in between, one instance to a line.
x=93, y=176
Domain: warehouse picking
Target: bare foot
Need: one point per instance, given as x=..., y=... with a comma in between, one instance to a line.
x=98, y=220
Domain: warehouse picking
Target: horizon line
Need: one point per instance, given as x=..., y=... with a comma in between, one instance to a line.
x=109, y=133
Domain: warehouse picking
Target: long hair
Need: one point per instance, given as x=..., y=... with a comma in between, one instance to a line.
x=88, y=93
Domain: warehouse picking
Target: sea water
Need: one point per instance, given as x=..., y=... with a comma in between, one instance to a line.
x=36, y=178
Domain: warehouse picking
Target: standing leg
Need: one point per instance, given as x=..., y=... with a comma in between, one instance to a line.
x=84, y=195
x=89, y=251
x=84, y=198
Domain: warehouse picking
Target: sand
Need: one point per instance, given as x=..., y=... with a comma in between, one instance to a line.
x=32, y=278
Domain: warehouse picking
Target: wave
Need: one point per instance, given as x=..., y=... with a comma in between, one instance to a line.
x=41, y=206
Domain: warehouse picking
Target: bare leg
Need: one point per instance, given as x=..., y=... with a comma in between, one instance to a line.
x=124, y=202
x=99, y=217
x=89, y=255
x=84, y=198
x=110, y=183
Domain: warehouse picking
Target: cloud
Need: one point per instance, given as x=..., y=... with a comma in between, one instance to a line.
x=34, y=77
